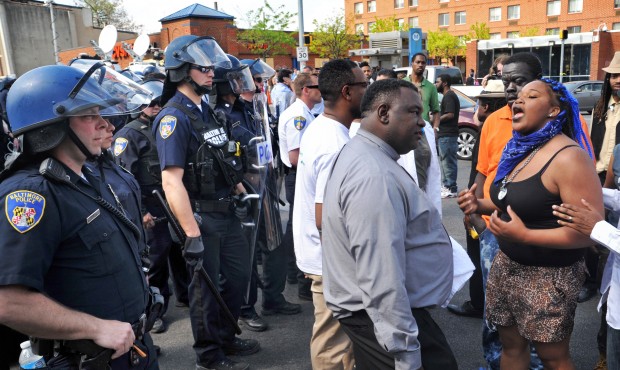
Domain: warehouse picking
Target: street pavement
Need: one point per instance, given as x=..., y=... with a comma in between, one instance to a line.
x=285, y=345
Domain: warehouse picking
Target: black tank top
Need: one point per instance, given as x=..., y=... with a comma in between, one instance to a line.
x=532, y=202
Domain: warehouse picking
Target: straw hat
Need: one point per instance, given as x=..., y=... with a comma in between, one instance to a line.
x=493, y=89
x=614, y=66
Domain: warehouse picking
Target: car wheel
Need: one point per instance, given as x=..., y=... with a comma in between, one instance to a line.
x=467, y=140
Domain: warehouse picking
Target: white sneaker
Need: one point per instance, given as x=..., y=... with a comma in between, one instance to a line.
x=446, y=193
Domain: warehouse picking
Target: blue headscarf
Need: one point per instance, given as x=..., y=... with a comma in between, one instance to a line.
x=519, y=146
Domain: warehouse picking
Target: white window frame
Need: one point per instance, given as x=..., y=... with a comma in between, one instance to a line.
x=512, y=34
x=358, y=8
x=491, y=15
x=575, y=6
x=439, y=18
x=615, y=26
x=370, y=24
x=359, y=28
x=374, y=6
x=413, y=24
x=495, y=36
x=413, y=3
x=574, y=29
x=513, y=16
x=399, y=4
x=458, y=16
x=552, y=31
x=553, y=12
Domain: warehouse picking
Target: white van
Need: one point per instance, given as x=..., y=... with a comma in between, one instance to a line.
x=432, y=72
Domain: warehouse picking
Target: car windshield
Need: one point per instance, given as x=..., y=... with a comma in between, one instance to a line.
x=464, y=101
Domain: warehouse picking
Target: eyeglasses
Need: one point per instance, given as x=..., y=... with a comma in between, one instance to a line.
x=202, y=69
x=258, y=79
x=363, y=83
x=312, y=86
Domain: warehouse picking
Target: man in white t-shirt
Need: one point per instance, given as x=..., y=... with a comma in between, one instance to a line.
x=342, y=85
x=291, y=126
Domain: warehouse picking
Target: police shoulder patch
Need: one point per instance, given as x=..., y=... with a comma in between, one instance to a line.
x=166, y=126
x=24, y=209
x=300, y=122
x=120, y=144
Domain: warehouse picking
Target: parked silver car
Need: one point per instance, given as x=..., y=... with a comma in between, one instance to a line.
x=587, y=93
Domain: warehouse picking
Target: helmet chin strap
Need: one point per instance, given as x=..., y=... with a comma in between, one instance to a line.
x=76, y=140
x=198, y=89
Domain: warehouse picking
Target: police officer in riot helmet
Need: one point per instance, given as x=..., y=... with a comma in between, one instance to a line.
x=135, y=150
x=201, y=174
x=70, y=267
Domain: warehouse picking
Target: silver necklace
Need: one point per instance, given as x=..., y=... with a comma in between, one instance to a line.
x=507, y=180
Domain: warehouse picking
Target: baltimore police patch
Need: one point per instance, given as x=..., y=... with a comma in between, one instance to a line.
x=300, y=123
x=167, y=126
x=24, y=209
x=120, y=144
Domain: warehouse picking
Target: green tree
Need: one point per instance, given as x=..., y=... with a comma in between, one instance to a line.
x=107, y=12
x=443, y=45
x=530, y=31
x=386, y=25
x=333, y=38
x=267, y=27
x=479, y=31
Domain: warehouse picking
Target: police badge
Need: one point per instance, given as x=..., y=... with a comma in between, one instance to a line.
x=24, y=209
x=167, y=126
x=300, y=123
x=120, y=144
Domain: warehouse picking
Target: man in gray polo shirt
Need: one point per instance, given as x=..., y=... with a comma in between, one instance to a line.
x=386, y=255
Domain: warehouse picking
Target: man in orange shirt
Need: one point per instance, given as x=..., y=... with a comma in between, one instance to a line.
x=519, y=70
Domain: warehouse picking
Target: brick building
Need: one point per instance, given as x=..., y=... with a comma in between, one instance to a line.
x=199, y=20
x=506, y=20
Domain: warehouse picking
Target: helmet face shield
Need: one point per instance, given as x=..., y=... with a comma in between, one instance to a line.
x=262, y=69
x=241, y=80
x=105, y=88
x=204, y=51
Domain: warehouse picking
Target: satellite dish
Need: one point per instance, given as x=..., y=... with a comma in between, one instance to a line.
x=107, y=38
x=141, y=45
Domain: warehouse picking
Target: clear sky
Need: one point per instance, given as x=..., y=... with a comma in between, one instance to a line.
x=148, y=12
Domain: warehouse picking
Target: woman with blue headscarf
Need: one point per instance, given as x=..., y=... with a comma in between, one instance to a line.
x=536, y=277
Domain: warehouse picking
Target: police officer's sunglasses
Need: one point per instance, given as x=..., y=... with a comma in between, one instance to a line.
x=202, y=69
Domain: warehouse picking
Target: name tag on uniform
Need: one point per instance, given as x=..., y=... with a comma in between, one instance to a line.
x=93, y=216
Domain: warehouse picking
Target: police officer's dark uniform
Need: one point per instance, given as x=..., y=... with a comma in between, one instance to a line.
x=195, y=139
x=135, y=150
x=61, y=237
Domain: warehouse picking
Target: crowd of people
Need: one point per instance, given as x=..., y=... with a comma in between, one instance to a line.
x=112, y=187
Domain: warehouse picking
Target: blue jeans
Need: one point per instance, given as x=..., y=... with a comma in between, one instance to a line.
x=448, y=147
x=613, y=348
x=491, y=345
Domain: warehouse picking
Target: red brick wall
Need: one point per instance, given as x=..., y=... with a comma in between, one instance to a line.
x=602, y=53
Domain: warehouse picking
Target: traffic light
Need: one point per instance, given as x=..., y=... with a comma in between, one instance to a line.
x=307, y=39
x=564, y=35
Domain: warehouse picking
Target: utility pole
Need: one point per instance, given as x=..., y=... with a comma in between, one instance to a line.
x=300, y=20
x=50, y=3
x=563, y=37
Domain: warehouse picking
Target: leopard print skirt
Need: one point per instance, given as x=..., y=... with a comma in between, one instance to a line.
x=539, y=301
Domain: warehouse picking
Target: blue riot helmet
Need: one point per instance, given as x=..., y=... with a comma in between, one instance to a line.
x=220, y=71
x=259, y=68
x=234, y=80
x=149, y=70
x=186, y=51
x=131, y=75
x=41, y=102
x=155, y=87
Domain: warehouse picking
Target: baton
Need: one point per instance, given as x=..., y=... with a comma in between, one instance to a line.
x=182, y=237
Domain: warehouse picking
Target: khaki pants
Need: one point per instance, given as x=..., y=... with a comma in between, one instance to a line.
x=330, y=347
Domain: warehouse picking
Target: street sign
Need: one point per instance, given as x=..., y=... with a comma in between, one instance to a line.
x=302, y=54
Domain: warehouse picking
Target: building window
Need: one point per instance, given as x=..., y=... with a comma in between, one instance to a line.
x=462, y=40
x=514, y=11
x=401, y=23
x=359, y=28
x=459, y=17
x=415, y=2
x=616, y=4
x=399, y=4
x=575, y=6
x=495, y=14
x=372, y=6
x=358, y=8
x=574, y=29
x=370, y=26
x=512, y=34
x=553, y=7
x=495, y=36
x=413, y=22
x=615, y=26
x=552, y=31
x=444, y=1
x=444, y=19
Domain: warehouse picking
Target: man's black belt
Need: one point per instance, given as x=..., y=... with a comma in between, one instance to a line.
x=206, y=206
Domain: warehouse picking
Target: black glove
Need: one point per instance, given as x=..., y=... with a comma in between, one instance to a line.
x=193, y=249
x=241, y=208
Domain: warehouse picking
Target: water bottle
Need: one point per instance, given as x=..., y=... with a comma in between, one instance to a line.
x=28, y=360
